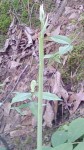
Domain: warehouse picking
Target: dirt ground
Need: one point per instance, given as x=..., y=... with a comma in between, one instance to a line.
x=19, y=67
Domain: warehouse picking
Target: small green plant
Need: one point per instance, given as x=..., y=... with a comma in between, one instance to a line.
x=35, y=107
x=69, y=136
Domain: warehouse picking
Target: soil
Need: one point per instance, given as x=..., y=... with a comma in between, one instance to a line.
x=19, y=131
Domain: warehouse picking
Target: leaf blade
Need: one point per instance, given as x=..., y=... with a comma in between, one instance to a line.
x=59, y=137
x=21, y=97
x=64, y=49
x=65, y=146
x=61, y=39
x=80, y=146
x=76, y=129
x=49, y=96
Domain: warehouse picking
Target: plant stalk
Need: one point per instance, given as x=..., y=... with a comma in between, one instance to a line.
x=40, y=96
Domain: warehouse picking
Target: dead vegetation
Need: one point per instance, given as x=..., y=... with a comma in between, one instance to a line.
x=19, y=66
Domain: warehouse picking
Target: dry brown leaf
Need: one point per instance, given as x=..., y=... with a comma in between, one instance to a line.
x=55, y=108
x=58, y=89
x=28, y=36
x=56, y=31
x=76, y=99
x=64, y=94
x=0, y=59
x=57, y=83
x=14, y=64
x=17, y=32
x=15, y=119
x=7, y=80
x=29, y=30
x=34, y=122
x=6, y=44
x=7, y=128
x=19, y=35
x=27, y=119
x=48, y=115
x=12, y=23
x=6, y=108
x=82, y=111
x=65, y=59
x=1, y=113
x=68, y=10
x=18, y=132
x=73, y=16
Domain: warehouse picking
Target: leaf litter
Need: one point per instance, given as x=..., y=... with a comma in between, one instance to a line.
x=20, y=49
x=76, y=99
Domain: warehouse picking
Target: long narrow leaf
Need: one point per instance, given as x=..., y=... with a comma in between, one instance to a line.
x=49, y=96
x=64, y=49
x=49, y=56
x=61, y=39
x=52, y=55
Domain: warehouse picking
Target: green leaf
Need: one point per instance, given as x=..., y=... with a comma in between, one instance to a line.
x=65, y=146
x=64, y=49
x=49, y=96
x=49, y=56
x=21, y=97
x=61, y=39
x=55, y=57
x=33, y=84
x=45, y=25
x=59, y=137
x=34, y=108
x=2, y=148
x=23, y=106
x=47, y=148
x=80, y=146
x=42, y=14
x=76, y=129
x=65, y=127
x=18, y=110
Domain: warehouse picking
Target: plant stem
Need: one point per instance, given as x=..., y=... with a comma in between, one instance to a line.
x=40, y=96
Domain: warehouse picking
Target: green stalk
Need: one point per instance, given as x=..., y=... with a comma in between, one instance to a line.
x=40, y=96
